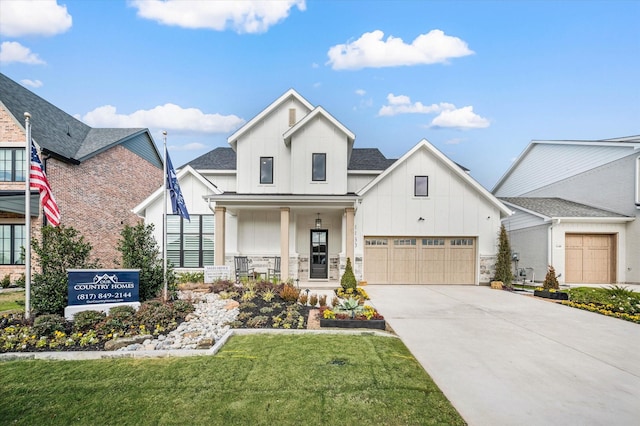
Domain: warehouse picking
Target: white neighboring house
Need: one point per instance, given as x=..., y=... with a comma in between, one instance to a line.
x=577, y=205
x=292, y=185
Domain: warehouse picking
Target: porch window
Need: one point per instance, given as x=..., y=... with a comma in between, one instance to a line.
x=12, y=165
x=266, y=170
x=11, y=243
x=319, y=167
x=421, y=186
x=190, y=244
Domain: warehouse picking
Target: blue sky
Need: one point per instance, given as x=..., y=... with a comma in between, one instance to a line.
x=478, y=79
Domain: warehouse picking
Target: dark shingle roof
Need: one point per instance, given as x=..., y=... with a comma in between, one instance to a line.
x=217, y=159
x=225, y=159
x=368, y=159
x=57, y=132
x=558, y=207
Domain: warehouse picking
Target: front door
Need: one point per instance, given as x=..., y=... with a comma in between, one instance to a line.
x=319, y=254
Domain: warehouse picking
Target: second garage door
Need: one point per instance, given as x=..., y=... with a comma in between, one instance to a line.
x=590, y=258
x=424, y=260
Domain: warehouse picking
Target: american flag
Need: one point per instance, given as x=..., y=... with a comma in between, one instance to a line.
x=38, y=180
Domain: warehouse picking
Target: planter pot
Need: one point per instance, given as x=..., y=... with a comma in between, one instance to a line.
x=349, y=323
x=556, y=295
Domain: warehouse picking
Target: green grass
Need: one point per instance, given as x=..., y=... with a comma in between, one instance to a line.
x=12, y=301
x=257, y=379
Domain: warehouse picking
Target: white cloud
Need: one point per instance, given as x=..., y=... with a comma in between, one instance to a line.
x=41, y=17
x=448, y=114
x=12, y=51
x=167, y=117
x=454, y=141
x=461, y=118
x=249, y=16
x=361, y=92
x=370, y=50
x=31, y=83
x=401, y=104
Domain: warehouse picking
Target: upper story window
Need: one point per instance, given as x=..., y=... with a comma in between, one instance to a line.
x=319, y=167
x=421, y=186
x=266, y=169
x=12, y=164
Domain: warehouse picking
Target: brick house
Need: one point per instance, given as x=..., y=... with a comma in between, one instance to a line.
x=97, y=175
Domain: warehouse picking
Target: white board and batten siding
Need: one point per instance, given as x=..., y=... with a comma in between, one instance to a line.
x=453, y=210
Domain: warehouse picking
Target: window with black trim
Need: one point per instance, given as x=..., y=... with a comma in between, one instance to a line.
x=12, y=165
x=266, y=169
x=421, y=186
x=12, y=239
x=190, y=244
x=319, y=167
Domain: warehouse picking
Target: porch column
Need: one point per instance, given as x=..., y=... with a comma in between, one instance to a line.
x=220, y=213
x=349, y=212
x=284, y=243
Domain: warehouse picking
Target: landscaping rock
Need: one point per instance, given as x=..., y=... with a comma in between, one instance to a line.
x=115, y=344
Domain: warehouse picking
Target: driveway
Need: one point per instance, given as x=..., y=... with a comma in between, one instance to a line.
x=509, y=359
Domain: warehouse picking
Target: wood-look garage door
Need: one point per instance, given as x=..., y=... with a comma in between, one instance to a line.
x=425, y=260
x=590, y=258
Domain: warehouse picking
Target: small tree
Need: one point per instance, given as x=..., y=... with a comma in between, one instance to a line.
x=61, y=248
x=140, y=251
x=550, y=280
x=503, y=263
x=348, y=280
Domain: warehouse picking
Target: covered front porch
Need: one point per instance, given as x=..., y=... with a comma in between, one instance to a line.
x=312, y=235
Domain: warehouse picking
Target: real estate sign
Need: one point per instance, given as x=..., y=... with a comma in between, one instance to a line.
x=103, y=286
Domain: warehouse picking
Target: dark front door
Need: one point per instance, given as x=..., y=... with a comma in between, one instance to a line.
x=319, y=254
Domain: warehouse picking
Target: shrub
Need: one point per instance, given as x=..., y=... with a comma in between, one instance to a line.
x=503, y=262
x=322, y=300
x=47, y=325
x=303, y=298
x=140, y=251
x=550, y=280
x=268, y=295
x=289, y=293
x=313, y=300
x=61, y=248
x=191, y=277
x=155, y=315
x=348, y=280
x=182, y=308
x=120, y=320
x=87, y=320
x=6, y=281
x=222, y=285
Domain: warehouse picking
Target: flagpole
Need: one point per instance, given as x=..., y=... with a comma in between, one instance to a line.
x=164, y=219
x=27, y=218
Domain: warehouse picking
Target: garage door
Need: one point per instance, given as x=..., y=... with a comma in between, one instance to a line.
x=590, y=258
x=424, y=260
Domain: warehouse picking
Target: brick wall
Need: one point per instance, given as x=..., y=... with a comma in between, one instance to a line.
x=96, y=197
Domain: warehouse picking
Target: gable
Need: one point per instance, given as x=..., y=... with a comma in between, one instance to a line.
x=424, y=159
x=545, y=162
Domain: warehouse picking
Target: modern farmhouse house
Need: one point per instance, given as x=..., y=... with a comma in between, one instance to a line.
x=97, y=175
x=291, y=185
x=577, y=205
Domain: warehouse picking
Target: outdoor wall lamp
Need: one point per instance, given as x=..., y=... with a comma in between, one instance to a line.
x=318, y=222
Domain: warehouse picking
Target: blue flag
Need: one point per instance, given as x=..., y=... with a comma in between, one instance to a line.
x=177, y=200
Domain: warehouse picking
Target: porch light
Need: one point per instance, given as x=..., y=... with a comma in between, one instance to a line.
x=318, y=222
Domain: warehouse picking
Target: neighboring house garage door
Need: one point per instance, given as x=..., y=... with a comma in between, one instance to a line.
x=590, y=258
x=424, y=260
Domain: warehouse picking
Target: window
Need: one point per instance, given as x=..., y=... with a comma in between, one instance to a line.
x=376, y=242
x=421, y=186
x=405, y=242
x=266, y=169
x=190, y=244
x=319, y=171
x=11, y=243
x=432, y=241
x=12, y=165
x=462, y=242
x=292, y=116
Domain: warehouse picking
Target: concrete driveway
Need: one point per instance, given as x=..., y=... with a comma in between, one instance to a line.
x=508, y=359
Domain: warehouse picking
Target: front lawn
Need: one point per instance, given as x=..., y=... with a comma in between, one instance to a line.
x=256, y=379
x=615, y=301
x=12, y=301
